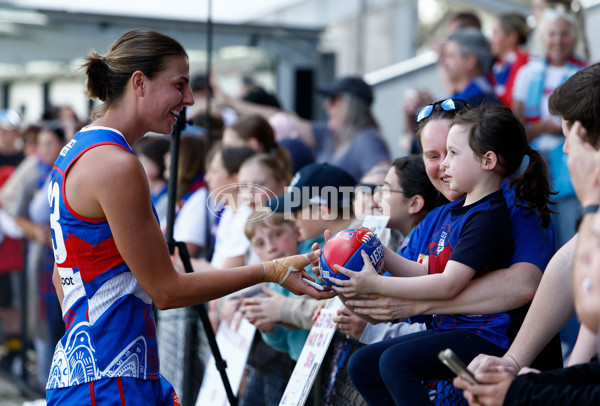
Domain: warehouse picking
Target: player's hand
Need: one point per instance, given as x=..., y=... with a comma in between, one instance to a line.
x=296, y=285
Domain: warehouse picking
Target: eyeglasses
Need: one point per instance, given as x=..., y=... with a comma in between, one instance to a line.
x=446, y=105
x=385, y=190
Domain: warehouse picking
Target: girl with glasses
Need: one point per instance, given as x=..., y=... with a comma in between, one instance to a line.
x=364, y=202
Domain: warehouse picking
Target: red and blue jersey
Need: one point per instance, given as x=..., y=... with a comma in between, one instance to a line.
x=110, y=328
x=479, y=236
x=504, y=75
x=488, y=246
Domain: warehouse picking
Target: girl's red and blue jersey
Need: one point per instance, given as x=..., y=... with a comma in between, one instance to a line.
x=491, y=234
x=110, y=328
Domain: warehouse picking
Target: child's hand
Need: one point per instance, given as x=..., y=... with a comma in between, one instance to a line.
x=266, y=327
x=320, y=307
x=262, y=310
x=349, y=323
x=360, y=283
x=228, y=310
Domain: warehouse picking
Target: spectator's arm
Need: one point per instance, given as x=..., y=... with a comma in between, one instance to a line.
x=298, y=311
x=246, y=108
x=496, y=292
x=243, y=107
x=550, y=310
x=34, y=232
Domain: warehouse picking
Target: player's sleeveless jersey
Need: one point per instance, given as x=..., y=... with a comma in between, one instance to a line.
x=110, y=329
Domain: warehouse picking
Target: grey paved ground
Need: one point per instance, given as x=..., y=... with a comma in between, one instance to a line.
x=11, y=396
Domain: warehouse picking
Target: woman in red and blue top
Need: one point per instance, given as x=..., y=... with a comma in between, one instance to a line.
x=112, y=261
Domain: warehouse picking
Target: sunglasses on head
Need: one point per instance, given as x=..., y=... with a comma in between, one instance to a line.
x=446, y=105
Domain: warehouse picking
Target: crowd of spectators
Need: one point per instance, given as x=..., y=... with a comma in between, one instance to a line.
x=256, y=186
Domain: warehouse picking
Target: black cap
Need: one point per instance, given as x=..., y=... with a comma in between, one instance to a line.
x=353, y=85
x=320, y=184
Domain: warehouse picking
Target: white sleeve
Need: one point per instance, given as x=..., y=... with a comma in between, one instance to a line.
x=521, y=85
x=191, y=221
x=231, y=240
x=236, y=241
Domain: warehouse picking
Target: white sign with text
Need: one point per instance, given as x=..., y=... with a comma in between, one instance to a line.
x=311, y=357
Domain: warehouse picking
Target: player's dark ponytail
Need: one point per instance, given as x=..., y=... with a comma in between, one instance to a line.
x=141, y=49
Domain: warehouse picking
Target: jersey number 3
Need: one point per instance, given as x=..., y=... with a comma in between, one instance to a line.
x=60, y=251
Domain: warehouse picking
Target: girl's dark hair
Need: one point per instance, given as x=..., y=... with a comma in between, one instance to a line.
x=139, y=49
x=413, y=179
x=234, y=157
x=495, y=128
x=255, y=126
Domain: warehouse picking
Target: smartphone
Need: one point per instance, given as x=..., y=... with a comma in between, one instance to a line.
x=449, y=358
x=314, y=284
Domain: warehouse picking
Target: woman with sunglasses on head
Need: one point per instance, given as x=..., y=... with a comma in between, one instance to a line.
x=499, y=291
x=496, y=292
x=567, y=285
x=471, y=237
